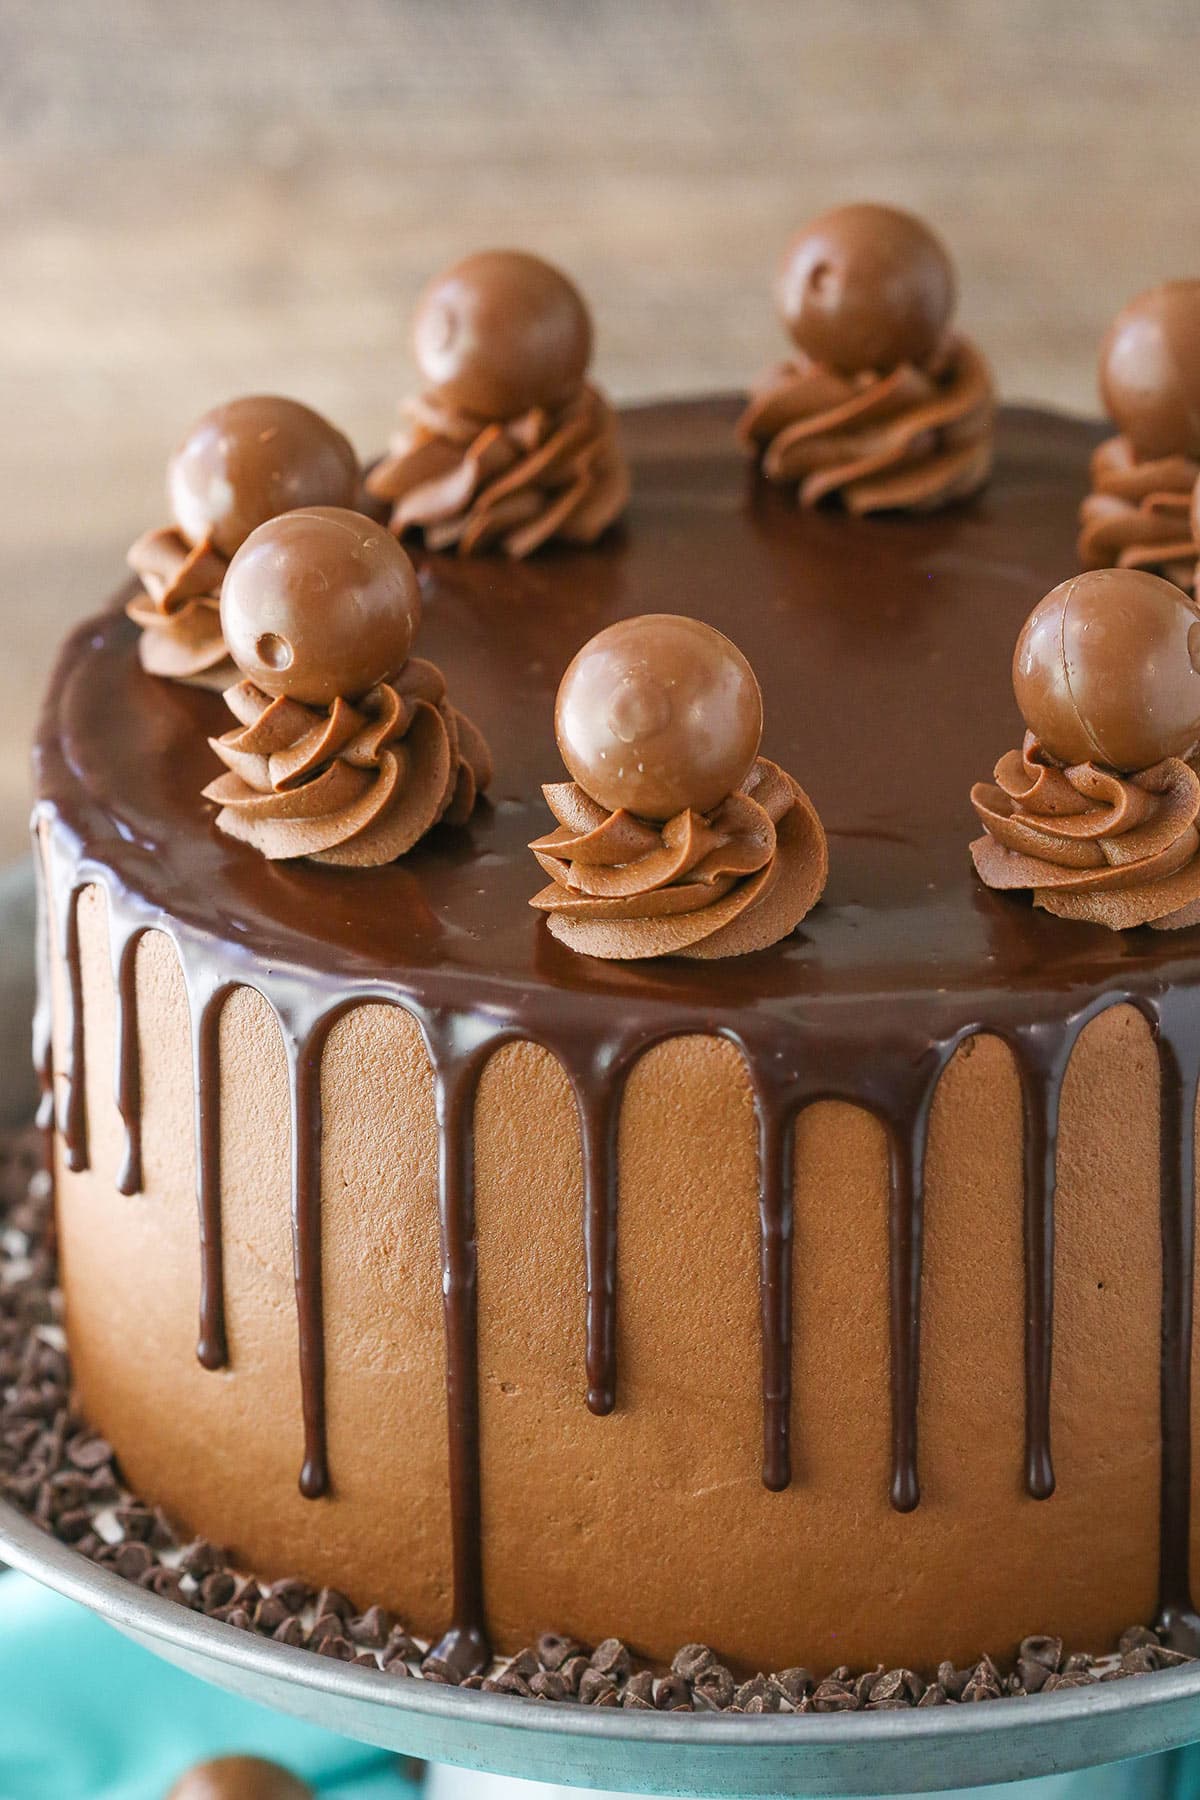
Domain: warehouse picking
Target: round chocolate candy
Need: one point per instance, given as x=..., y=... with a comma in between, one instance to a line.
x=248, y=460
x=867, y=287
x=657, y=714
x=319, y=603
x=239, y=1778
x=1107, y=670
x=1150, y=371
x=503, y=331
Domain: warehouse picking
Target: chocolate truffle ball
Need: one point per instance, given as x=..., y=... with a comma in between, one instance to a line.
x=320, y=602
x=1150, y=370
x=248, y=460
x=503, y=331
x=1107, y=670
x=239, y=1778
x=867, y=287
x=657, y=714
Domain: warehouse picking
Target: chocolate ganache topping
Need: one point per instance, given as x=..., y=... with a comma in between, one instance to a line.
x=509, y=446
x=1138, y=514
x=1097, y=813
x=675, y=837
x=239, y=465
x=884, y=407
x=347, y=749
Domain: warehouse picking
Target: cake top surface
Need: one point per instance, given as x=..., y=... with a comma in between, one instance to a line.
x=883, y=648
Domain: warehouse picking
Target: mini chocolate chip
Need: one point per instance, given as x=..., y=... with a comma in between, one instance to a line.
x=74, y=1524
x=673, y=1695
x=524, y=1664
x=135, y=1520
x=364, y=1660
x=88, y=1452
x=290, y=1631
x=328, y=1625
x=548, y=1684
x=435, y=1669
x=716, y=1686
x=217, y=1589
x=639, y=1691
x=201, y=1558
x=270, y=1614
x=835, y=1696
x=372, y=1628
x=554, y=1650
x=506, y=1683
x=1138, y=1637
x=756, y=1695
x=400, y=1644
x=332, y=1600
x=864, y=1683
x=133, y=1559
x=239, y=1618
x=795, y=1684
x=691, y=1660
x=395, y=1664
x=338, y=1647
x=1166, y=1658
x=1076, y=1679
x=573, y=1671
x=897, y=1684
x=612, y=1658
x=934, y=1695
x=291, y=1593
x=596, y=1689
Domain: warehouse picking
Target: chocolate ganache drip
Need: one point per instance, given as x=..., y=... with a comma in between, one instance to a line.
x=1097, y=814
x=239, y=465
x=676, y=838
x=1138, y=514
x=320, y=605
x=884, y=407
x=510, y=446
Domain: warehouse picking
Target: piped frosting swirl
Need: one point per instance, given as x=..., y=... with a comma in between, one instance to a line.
x=472, y=485
x=1137, y=515
x=178, y=610
x=1091, y=844
x=909, y=440
x=356, y=785
x=723, y=883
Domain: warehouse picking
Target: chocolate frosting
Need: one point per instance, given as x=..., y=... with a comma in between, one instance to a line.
x=911, y=440
x=178, y=609
x=1138, y=514
x=471, y=484
x=240, y=464
x=1093, y=845
x=357, y=785
x=722, y=884
x=508, y=447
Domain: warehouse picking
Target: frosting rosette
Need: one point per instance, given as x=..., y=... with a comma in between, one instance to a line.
x=1137, y=515
x=352, y=784
x=178, y=610
x=913, y=439
x=1091, y=844
x=474, y=485
x=721, y=883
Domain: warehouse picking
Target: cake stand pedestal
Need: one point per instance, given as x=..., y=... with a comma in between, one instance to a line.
x=940, y=1749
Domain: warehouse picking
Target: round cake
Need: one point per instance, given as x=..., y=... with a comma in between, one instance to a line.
x=829, y=1304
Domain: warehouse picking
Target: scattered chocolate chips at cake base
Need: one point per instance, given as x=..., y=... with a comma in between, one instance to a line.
x=66, y=1479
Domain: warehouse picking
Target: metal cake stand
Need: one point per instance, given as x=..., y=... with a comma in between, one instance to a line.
x=887, y=1753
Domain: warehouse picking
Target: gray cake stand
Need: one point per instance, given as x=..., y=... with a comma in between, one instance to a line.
x=891, y=1753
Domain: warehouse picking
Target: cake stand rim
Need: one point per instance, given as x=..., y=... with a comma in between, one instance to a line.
x=28, y=1548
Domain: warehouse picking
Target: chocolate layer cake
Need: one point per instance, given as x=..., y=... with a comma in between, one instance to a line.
x=831, y=1304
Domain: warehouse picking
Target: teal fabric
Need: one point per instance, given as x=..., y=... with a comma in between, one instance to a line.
x=87, y=1715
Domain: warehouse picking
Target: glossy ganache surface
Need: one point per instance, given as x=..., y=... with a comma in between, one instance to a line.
x=884, y=648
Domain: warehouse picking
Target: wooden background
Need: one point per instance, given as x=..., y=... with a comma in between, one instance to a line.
x=198, y=200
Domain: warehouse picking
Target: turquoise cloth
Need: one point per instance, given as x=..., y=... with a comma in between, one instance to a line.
x=87, y=1715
